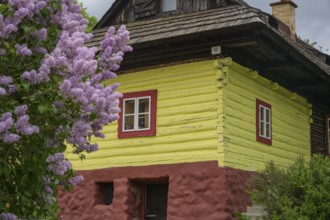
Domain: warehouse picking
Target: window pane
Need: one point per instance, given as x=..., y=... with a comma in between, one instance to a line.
x=105, y=193
x=262, y=129
x=144, y=121
x=267, y=131
x=156, y=202
x=267, y=115
x=129, y=106
x=143, y=105
x=129, y=123
x=261, y=113
x=169, y=5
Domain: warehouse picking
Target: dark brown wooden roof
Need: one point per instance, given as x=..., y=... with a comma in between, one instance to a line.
x=183, y=25
x=253, y=38
x=308, y=51
x=124, y=10
x=203, y=21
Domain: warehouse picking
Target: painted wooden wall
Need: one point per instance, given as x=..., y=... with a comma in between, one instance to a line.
x=206, y=111
x=187, y=109
x=290, y=114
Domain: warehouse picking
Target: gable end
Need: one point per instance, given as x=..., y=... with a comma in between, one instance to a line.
x=126, y=11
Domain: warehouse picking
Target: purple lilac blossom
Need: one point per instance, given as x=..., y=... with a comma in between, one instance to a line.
x=2, y=52
x=23, y=50
x=39, y=6
x=40, y=50
x=57, y=164
x=5, y=80
x=22, y=10
x=75, y=63
x=11, y=89
x=31, y=76
x=7, y=216
x=2, y=91
x=22, y=126
x=9, y=138
x=80, y=63
x=48, y=190
x=21, y=110
x=75, y=180
x=43, y=34
x=6, y=123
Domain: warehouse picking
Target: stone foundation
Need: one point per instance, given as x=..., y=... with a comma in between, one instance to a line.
x=197, y=191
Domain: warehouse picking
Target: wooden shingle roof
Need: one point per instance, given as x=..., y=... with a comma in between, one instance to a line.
x=307, y=50
x=236, y=16
x=181, y=25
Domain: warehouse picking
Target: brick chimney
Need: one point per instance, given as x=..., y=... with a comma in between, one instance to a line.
x=285, y=11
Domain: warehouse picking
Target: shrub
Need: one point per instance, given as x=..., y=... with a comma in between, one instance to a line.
x=301, y=191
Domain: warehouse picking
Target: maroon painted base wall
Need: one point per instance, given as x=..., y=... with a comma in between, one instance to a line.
x=197, y=191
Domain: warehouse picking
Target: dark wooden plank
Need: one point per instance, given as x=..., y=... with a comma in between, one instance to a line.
x=318, y=143
x=196, y=5
x=144, y=5
x=203, y=5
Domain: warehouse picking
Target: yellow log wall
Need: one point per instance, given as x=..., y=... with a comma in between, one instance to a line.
x=290, y=121
x=206, y=111
x=187, y=110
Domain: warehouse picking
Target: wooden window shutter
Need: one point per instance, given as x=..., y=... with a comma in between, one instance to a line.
x=145, y=8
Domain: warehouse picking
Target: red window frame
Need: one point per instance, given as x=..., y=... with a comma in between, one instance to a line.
x=153, y=106
x=259, y=137
x=327, y=133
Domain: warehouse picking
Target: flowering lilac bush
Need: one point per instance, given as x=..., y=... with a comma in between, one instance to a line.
x=51, y=93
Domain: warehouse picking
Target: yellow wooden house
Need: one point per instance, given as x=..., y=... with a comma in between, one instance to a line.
x=212, y=92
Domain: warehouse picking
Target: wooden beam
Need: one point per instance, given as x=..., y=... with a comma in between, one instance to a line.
x=308, y=86
x=241, y=44
x=299, y=57
x=187, y=48
x=278, y=66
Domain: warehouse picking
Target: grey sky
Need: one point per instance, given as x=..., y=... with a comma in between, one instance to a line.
x=311, y=19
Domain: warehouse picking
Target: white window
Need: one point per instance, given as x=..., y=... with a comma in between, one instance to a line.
x=136, y=114
x=264, y=122
x=169, y=5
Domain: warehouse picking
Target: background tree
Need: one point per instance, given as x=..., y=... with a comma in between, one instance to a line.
x=315, y=45
x=50, y=94
x=92, y=20
x=299, y=192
